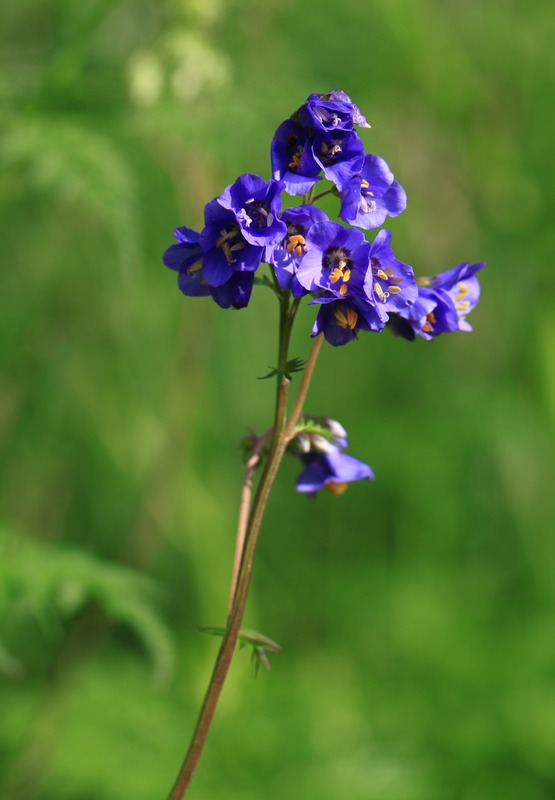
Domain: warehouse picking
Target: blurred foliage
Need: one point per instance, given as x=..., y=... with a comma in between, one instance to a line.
x=416, y=614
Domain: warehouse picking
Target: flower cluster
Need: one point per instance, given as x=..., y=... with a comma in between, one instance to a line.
x=356, y=284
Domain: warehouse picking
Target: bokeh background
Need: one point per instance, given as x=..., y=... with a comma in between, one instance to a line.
x=416, y=613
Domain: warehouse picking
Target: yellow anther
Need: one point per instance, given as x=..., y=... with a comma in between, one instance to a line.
x=342, y=264
x=381, y=274
x=427, y=327
x=295, y=160
x=431, y=317
x=336, y=275
x=347, y=275
x=396, y=280
x=379, y=291
x=464, y=306
x=335, y=487
x=463, y=291
x=227, y=253
x=343, y=289
x=389, y=272
x=364, y=184
x=296, y=243
x=394, y=289
x=347, y=320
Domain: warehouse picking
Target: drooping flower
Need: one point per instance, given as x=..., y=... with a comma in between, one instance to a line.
x=337, y=259
x=288, y=254
x=185, y=258
x=341, y=320
x=369, y=197
x=331, y=470
x=442, y=304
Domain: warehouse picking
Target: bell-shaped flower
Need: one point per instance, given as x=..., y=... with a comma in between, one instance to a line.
x=371, y=196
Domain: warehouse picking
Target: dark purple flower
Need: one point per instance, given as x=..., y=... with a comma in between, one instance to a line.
x=341, y=320
x=393, y=284
x=330, y=111
x=185, y=257
x=337, y=259
x=442, y=304
x=225, y=249
x=292, y=159
x=367, y=199
x=340, y=154
x=288, y=254
x=256, y=205
x=331, y=470
x=234, y=293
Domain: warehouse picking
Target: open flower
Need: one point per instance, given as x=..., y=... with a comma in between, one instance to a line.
x=288, y=254
x=256, y=205
x=369, y=197
x=337, y=259
x=442, y=304
x=292, y=158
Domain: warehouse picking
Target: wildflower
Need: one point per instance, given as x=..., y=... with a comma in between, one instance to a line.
x=393, y=283
x=337, y=259
x=292, y=159
x=330, y=111
x=185, y=258
x=442, y=304
x=256, y=205
x=369, y=197
x=288, y=254
x=331, y=470
x=341, y=320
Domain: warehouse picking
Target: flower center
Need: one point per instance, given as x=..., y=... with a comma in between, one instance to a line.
x=338, y=261
x=330, y=150
x=231, y=240
x=256, y=213
x=296, y=244
x=430, y=320
x=385, y=280
x=295, y=151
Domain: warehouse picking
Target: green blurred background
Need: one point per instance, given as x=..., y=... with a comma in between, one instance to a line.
x=416, y=613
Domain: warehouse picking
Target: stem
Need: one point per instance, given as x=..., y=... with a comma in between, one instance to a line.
x=305, y=383
x=282, y=432
x=244, y=509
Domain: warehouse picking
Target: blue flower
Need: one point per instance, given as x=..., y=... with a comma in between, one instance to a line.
x=330, y=111
x=331, y=470
x=292, y=158
x=185, y=258
x=337, y=259
x=341, y=320
x=368, y=198
x=256, y=205
x=393, y=283
x=442, y=304
x=288, y=254
x=340, y=154
x=225, y=248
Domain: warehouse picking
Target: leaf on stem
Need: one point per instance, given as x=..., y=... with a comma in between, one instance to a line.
x=261, y=645
x=293, y=365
